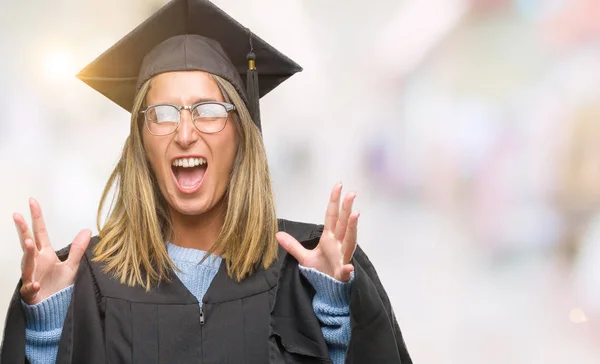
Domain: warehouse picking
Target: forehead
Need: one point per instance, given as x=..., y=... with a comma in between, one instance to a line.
x=183, y=87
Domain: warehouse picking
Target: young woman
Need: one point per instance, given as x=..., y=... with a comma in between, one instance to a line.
x=188, y=267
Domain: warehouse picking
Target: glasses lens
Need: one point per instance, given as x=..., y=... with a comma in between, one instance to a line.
x=162, y=119
x=210, y=118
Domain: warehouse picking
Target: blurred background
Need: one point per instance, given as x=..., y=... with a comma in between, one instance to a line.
x=469, y=129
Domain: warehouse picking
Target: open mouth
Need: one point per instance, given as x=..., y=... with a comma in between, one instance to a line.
x=189, y=172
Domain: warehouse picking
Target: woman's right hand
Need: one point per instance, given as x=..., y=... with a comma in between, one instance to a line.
x=42, y=273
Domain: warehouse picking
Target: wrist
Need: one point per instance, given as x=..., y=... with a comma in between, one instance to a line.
x=336, y=293
x=50, y=313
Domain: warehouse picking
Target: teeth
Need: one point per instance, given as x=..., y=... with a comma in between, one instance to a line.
x=189, y=162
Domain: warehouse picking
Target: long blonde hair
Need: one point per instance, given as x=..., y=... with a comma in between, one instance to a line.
x=132, y=240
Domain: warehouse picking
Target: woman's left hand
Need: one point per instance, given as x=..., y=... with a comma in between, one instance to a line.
x=334, y=252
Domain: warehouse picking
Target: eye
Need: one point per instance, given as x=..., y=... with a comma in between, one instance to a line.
x=162, y=114
x=209, y=111
x=161, y=119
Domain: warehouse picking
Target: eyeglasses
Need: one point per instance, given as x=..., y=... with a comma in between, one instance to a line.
x=208, y=117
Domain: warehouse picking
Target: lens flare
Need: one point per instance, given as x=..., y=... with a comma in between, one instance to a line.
x=59, y=65
x=577, y=316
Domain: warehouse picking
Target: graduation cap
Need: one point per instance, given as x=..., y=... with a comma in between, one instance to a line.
x=189, y=35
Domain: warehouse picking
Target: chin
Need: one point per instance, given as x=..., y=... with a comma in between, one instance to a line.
x=190, y=207
x=193, y=205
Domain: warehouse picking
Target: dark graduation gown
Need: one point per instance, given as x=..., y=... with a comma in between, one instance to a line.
x=267, y=318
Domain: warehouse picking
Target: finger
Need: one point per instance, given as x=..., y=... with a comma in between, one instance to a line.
x=349, y=243
x=333, y=208
x=29, y=291
x=22, y=230
x=78, y=247
x=342, y=223
x=292, y=246
x=39, y=226
x=347, y=272
x=28, y=265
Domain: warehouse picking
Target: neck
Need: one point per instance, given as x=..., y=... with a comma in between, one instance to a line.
x=198, y=231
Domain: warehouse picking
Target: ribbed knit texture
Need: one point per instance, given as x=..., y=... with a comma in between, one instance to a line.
x=43, y=326
x=196, y=278
x=44, y=321
x=332, y=307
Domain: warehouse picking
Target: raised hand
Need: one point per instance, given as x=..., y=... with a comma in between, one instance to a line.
x=42, y=273
x=334, y=252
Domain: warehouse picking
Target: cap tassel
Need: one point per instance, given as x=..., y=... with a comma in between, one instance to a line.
x=252, y=89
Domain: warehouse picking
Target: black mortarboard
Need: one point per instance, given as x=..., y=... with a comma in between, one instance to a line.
x=189, y=35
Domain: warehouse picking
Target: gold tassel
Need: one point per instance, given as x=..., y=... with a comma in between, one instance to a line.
x=252, y=88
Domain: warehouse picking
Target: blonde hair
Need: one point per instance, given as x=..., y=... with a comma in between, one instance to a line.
x=132, y=241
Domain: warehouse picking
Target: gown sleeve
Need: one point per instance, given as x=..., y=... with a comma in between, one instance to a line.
x=13, y=342
x=82, y=335
x=375, y=335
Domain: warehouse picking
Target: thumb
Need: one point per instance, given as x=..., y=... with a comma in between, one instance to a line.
x=78, y=247
x=291, y=245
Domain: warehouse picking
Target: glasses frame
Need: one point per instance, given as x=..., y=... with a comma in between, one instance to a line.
x=228, y=108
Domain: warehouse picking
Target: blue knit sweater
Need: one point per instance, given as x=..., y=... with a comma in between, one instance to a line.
x=44, y=320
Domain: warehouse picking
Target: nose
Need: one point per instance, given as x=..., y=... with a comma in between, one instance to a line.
x=186, y=134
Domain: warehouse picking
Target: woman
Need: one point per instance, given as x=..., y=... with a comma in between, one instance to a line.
x=187, y=267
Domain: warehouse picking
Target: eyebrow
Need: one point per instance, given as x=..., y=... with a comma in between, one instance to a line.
x=196, y=101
